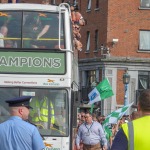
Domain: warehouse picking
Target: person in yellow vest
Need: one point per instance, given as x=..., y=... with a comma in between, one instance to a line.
x=135, y=135
x=43, y=113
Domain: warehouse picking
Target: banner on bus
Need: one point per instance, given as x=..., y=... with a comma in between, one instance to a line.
x=32, y=63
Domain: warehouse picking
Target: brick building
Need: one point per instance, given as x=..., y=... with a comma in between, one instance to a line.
x=115, y=39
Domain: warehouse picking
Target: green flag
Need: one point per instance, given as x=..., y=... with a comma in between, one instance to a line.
x=116, y=115
x=113, y=117
x=102, y=91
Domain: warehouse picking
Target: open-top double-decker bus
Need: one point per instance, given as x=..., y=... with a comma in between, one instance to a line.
x=37, y=59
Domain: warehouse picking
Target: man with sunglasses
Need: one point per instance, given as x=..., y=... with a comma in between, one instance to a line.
x=91, y=133
x=16, y=133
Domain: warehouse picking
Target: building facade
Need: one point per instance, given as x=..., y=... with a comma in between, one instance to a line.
x=115, y=39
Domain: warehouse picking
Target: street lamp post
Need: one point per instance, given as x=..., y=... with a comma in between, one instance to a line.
x=126, y=80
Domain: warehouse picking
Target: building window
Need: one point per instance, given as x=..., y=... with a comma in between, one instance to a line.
x=53, y=2
x=91, y=77
x=89, y=5
x=96, y=40
x=97, y=4
x=144, y=80
x=75, y=2
x=144, y=40
x=145, y=3
x=88, y=41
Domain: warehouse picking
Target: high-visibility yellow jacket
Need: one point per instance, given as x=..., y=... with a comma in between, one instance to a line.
x=141, y=132
x=40, y=110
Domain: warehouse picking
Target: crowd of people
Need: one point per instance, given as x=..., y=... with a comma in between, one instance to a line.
x=77, y=22
x=98, y=138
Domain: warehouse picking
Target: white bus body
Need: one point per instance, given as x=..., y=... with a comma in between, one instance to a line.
x=40, y=66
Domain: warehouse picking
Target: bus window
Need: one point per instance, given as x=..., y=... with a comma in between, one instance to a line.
x=11, y=21
x=40, y=30
x=3, y=18
x=49, y=111
x=6, y=93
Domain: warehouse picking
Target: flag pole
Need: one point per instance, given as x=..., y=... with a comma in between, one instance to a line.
x=92, y=107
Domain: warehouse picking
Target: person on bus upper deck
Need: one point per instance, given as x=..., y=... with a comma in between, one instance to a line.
x=16, y=133
x=4, y=1
x=75, y=15
x=49, y=30
x=46, y=2
x=45, y=23
x=3, y=33
x=13, y=1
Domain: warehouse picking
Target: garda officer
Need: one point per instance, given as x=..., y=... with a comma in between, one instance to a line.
x=16, y=133
x=135, y=134
x=40, y=115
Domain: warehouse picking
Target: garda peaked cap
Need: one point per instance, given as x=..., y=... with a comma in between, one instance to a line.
x=20, y=101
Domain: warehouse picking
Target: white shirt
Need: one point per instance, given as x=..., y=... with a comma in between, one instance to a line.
x=1, y=40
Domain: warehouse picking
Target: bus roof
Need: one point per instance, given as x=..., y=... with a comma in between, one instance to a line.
x=30, y=7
